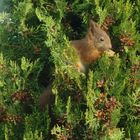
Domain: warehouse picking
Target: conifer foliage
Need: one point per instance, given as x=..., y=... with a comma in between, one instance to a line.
x=35, y=52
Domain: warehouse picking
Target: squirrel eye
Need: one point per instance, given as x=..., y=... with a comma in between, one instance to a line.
x=101, y=39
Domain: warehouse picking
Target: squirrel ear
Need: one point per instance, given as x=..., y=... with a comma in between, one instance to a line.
x=93, y=26
x=93, y=23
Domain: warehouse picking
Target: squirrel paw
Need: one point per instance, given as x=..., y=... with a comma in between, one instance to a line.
x=80, y=67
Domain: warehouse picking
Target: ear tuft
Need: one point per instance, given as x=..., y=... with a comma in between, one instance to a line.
x=93, y=26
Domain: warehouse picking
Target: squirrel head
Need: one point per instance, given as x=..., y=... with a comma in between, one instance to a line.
x=98, y=37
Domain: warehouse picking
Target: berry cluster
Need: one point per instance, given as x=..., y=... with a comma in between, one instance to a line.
x=5, y=117
x=104, y=107
x=22, y=96
x=62, y=137
x=68, y=134
x=126, y=40
x=11, y=118
x=68, y=127
x=100, y=84
x=107, y=22
x=135, y=70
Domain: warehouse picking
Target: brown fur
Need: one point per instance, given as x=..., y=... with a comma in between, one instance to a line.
x=47, y=98
x=93, y=45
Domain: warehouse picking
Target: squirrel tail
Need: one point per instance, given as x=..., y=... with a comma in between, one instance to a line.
x=46, y=99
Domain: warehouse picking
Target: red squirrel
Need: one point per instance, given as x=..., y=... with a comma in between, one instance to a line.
x=92, y=46
x=89, y=49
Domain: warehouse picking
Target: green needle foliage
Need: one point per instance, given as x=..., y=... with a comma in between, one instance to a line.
x=35, y=52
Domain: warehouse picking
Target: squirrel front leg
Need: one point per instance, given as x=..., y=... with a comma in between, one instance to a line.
x=81, y=67
x=79, y=46
x=86, y=54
